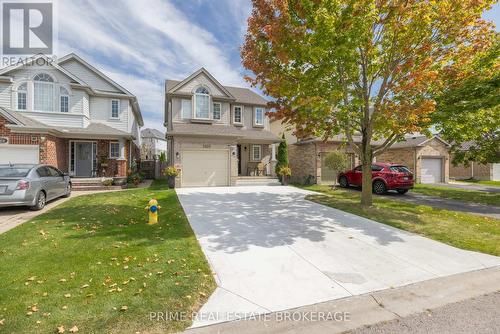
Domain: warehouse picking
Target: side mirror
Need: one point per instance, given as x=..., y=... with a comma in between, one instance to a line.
x=65, y=174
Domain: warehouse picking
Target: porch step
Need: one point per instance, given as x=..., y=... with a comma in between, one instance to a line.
x=91, y=184
x=257, y=181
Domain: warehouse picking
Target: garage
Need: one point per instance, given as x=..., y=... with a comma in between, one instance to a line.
x=431, y=170
x=205, y=168
x=19, y=154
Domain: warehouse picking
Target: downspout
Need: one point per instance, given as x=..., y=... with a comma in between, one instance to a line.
x=472, y=169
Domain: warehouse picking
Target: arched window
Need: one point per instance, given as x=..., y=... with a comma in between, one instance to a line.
x=202, y=103
x=22, y=96
x=43, y=92
x=63, y=99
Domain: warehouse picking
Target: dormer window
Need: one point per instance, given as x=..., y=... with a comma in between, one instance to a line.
x=43, y=92
x=202, y=103
x=259, y=116
x=22, y=96
x=63, y=99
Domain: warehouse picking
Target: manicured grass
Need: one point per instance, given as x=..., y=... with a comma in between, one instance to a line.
x=454, y=228
x=486, y=183
x=93, y=262
x=464, y=195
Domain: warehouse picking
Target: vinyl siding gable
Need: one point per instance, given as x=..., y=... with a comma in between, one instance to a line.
x=88, y=76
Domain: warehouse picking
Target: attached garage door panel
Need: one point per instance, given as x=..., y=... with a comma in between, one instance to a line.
x=431, y=170
x=19, y=154
x=208, y=168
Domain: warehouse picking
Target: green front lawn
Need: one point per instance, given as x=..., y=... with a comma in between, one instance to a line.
x=93, y=262
x=454, y=228
x=486, y=183
x=464, y=195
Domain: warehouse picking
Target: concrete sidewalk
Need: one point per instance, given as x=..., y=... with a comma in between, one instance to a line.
x=369, y=309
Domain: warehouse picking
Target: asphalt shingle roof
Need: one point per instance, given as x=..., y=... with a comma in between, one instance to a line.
x=242, y=95
x=152, y=133
x=222, y=131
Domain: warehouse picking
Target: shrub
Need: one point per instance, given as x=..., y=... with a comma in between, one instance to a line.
x=107, y=182
x=170, y=171
x=282, y=155
x=285, y=171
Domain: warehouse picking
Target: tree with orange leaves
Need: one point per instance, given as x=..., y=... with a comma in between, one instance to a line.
x=361, y=67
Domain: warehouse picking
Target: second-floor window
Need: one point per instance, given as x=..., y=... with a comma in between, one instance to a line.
x=63, y=99
x=256, y=152
x=43, y=92
x=237, y=114
x=115, y=108
x=202, y=103
x=259, y=116
x=22, y=96
x=217, y=110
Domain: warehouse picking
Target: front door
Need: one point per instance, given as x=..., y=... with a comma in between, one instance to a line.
x=83, y=159
x=239, y=159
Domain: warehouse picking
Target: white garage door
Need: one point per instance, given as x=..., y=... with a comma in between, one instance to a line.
x=431, y=170
x=205, y=168
x=19, y=154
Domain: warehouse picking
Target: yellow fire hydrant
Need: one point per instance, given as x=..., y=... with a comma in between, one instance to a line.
x=153, y=208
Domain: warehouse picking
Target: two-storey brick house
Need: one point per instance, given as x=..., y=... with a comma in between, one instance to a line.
x=68, y=114
x=216, y=133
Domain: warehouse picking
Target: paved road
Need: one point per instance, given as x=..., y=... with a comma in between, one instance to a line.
x=471, y=186
x=476, y=315
x=273, y=250
x=448, y=204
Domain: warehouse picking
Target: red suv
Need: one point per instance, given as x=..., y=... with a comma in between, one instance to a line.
x=385, y=176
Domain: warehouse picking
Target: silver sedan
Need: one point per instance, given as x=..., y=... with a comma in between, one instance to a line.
x=32, y=185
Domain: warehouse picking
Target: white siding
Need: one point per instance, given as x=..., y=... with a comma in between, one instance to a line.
x=100, y=111
x=26, y=73
x=57, y=118
x=201, y=79
x=5, y=95
x=496, y=172
x=88, y=76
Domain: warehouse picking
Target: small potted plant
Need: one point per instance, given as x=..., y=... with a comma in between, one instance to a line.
x=285, y=172
x=171, y=173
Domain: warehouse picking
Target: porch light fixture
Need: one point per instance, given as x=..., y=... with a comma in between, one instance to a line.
x=177, y=155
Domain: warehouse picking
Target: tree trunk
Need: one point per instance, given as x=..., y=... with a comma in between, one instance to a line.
x=366, y=161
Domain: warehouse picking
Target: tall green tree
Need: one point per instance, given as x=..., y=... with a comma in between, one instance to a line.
x=468, y=111
x=282, y=155
x=368, y=67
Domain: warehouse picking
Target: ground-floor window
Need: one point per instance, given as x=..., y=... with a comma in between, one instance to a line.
x=256, y=152
x=114, y=150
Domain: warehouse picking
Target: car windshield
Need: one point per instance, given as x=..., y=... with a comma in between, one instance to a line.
x=400, y=169
x=14, y=171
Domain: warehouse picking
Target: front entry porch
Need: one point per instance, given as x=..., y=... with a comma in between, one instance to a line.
x=256, y=159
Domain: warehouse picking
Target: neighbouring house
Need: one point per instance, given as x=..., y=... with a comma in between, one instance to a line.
x=216, y=134
x=153, y=143
x=68, y=114
x=428, y=158
x=477, y=171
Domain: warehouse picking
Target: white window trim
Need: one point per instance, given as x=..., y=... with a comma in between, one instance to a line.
x=16, y=98
x=68, y=96
x=182, y=108
x=234, y=114
x=111, y=109
x=220, y=111
x=209, y=103
x=114, y=142
x=255, y=116
x=260, y=153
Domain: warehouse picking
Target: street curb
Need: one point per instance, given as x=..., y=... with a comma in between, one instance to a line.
x=372, y=308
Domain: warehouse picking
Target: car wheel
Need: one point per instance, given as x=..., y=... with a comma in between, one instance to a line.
x=68, y=191
x=41, y=199
x=343, y=182
x=379, y=187
x=402, y=191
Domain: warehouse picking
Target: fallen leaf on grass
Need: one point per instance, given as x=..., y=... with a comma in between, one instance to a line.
x=84, y=286
x=60, y=329
x=124, y=308
x=62, y=280
x=73, y=329
x=2, y=322
x=67, y=295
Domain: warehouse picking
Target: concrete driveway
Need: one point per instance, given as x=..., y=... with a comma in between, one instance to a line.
x=273, y=250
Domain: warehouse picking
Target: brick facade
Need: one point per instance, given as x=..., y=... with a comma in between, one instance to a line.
x=55, y=151
x=473, y=171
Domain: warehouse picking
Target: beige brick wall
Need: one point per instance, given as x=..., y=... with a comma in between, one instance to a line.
x=474, y=170
x=323, y=148
x=302, y=160
x=403, y=156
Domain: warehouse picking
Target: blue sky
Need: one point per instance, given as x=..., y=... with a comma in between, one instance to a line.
x=140, y=43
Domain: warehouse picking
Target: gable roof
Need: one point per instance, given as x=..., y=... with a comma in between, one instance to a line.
x=210, y=76
x=238, y=94
x=191, y=129
x=152, y=133
x=33, y=59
